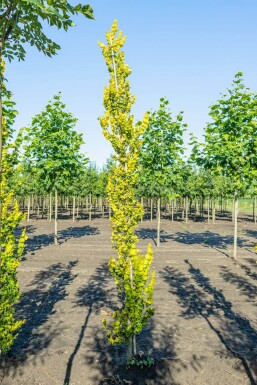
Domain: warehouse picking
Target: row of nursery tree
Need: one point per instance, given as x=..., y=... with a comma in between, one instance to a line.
x=53, y=174
x=46, y=163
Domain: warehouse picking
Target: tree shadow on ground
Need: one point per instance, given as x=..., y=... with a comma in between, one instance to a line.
x=234, y=331
x=251, y=233
x=250, y=269
x=107, y=362
x=205, y=239
x=36, y=307
x=145, y=233
x=37, y=242
x=97, y=295
x=30, y=229
x=158, y=340
x=248, y=289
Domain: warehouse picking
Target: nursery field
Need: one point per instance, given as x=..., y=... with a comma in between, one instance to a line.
x=204, y=330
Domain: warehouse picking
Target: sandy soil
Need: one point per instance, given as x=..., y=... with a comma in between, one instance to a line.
x=204, y=331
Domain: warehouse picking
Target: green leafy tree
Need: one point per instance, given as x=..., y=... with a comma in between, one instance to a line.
x=230, y=147
x=131, y=269
x=161, y=151
x=52, y=149
x=21, y=22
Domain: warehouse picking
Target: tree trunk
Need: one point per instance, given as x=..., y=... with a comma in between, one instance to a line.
x=186, y=208
x=28, y=209
x=196, y=207
x=110, y=210
x=32, y=204
x=213, y=210
x=131, y=349
x=159, y=220
x=172, y=210
x=208, y=209
x=43, y=208
x=90, y=207
x=73, y=208
x=183, y=211
x=235, y=226
x=151, y=209
x=1, y=153
x=254, y=209
x=55, y=219
x=50, y=207
x=142, y=203
x=47, y=206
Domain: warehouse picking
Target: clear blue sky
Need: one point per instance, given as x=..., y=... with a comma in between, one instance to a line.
x=186, y=50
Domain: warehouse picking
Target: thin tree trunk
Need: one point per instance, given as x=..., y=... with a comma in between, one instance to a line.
x=254, y=209
x=235, y=226
x=158, y=220
x=142, y=203
x=208, y=209
x=255, y=213
x=73, y=209
x=90, y=207
x=55, y=219
x=28, y=209
x=32, y=204
x=183, y=211
x=43, y=208
x=37, y=206
x=213, y=210
x=132, y=347
x=1, y=152
x=196, y=207
x=151, y=203
x=172, y=210
x=50, y=207
x=186, y=208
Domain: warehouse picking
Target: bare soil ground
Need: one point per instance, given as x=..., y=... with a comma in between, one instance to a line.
x=204, y=331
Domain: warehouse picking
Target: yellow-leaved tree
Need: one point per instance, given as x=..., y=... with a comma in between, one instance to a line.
x=130, y=269
x=11, y=248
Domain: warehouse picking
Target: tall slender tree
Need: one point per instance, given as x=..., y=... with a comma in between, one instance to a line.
x=131, y=269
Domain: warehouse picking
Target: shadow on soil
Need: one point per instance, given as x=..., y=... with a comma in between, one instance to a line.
x=248, y=289
x=108, y=363
x=94, y=297
x=37, y=242
x=251, y=269
x=36, y=307
x=206, y=238
x=198, y=298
